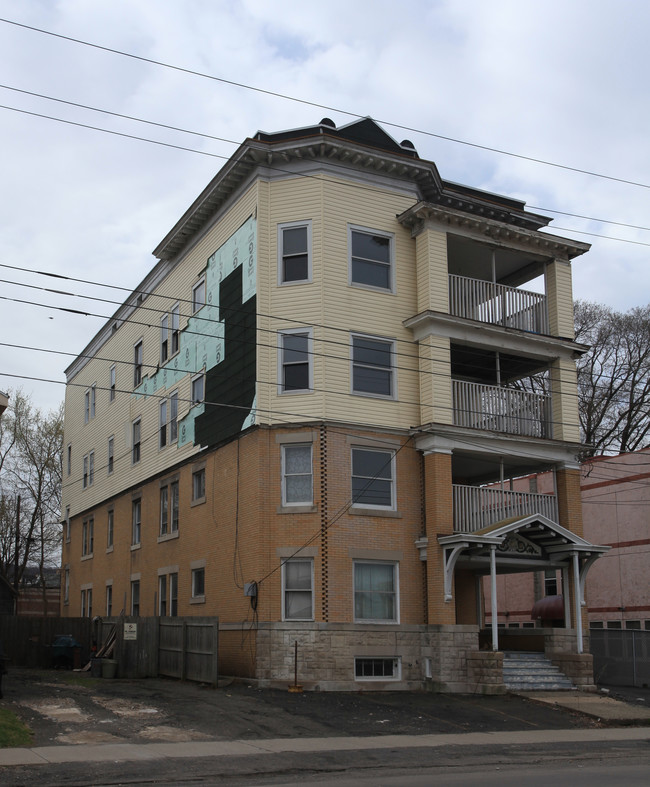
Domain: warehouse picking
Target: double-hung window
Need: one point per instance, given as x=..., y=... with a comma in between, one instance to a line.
x=372, y=367
x=110, y=527
x=294, y=252
x=137, y=364
x=110, y=464
x=135, y=597
x=85, y=475
x=376, y=592
x=296, y=372
x=109, y=601
x=371, y=258
x=164, y=510
x=136, y=521
x=112, y=383
x=91, y=468
x=198, y=295
x=168, y=508
x=164, y=338
x=136, y=433
x=198, y=485
x=173, y=417
x=373, y=478
x=198, y=388
x=297, y=483
x=90, y=401
x=198, y=583
x=298, y=589
x=162, y=432
x=168, y=594
x=87, y=537
x=176, y=318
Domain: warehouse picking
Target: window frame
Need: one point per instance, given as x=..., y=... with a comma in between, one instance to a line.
x=390, y=369
x=88, y=537
x=164, y=338
x=135, y=598
x=175, y=314
x=198, y=485
x=67, y=524
x=162, y=595
x=110, y=528
x=357, y=500
x=163, y=521
x=395, y=591
x=356, y=229
x=91, y=468
x=162, y=423
x=195, y=380
x=282, y=364
x=109, y=600
x=286, y=591
x=396, y=663
x=282, y=257
x=196, y=288
x=112, y=382
x=285, y=448
x=110, y=456
x=69, y=458
x=136, y=445
x=136, y=521
x=173, y=418
x=197, y=572
x=84, y=479
x=138, y=354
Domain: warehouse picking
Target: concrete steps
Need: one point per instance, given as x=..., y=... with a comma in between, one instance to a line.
x=532, y=672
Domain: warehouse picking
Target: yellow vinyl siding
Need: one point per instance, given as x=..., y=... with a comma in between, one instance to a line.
x=559, y=293
x=432, y=271
x=564, y=401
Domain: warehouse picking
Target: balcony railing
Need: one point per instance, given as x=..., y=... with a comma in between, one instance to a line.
x=476, y=507
x=497, y=304
x=501, y=409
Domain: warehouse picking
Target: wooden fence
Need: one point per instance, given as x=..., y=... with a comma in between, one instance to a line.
x=27, y=641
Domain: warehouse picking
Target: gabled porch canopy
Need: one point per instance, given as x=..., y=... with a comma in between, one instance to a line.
x=531, y=543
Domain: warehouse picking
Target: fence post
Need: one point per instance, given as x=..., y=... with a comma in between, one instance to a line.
x=215, y=651
x=183, y=649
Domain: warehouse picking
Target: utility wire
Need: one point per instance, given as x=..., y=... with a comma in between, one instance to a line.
x=286, y=97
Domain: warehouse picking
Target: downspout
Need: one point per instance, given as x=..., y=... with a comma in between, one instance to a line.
x=493, y=593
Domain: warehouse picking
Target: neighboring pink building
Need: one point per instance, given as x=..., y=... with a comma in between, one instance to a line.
x=616, y=513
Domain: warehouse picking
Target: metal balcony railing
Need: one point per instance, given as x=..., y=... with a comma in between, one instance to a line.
x=497, y=304
x=476, y=507
x=499, y=409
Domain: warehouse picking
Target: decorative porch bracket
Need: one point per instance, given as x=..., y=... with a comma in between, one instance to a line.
x=584, y=569
x=450, y=556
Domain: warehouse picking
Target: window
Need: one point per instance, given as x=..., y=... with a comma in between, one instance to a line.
x=109, y=600
x=164, y=510
x=111, y=454
x=169, y=508
x=377, y=668
x=135, y=454
x=87, y=536
x=173, y=417
x=162, y=441
x=162, y=595
x=66, y=586
x=135, y=597
x=371, y=259
x=112, y=383
x=375, y=592
x=85, y=475
x=91, y=468
x=298, y=582
x=67, y=523
x=198, y=583
x=614, y=624
x=137, y=364
x=110, y=527
x=87, y=406
x=198, y=296
x=294, y=260
x=173, y=595
x=69, y=459
x=198, y=384
x=372, y=478
x=176, y=317
x=633, y=624
x=90, y=400
x=93, y=400
x=297, y=485
x=198, y=485
x=550, y=582
x=372, y=366
x=83, y=603
x=173, y=489
x=164, y=338
x=295, y=361
x=89, y=601
x=136, y=521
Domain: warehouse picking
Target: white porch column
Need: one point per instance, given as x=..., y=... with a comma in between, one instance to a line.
x=576, y=595
x=493, y=594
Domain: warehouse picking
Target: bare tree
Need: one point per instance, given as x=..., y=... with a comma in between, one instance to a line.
x=614, y=377
x=30, y=487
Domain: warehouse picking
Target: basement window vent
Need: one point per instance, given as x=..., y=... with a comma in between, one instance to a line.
x=377, y=668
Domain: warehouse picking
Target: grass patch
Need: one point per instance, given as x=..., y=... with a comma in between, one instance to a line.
x=12, y=731
x=81, y=680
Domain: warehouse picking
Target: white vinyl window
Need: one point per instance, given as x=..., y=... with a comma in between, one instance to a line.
x=298, y=589
x=295, y=361
x=373, y=478
x=294, y=252
x=372, y=367
x=198, y=583
x=198, y=295
x=136, y=432
x=164, y=338
x=112, y=383
x=375, y=592
x=137, y=364
x=136, y=521
x=110, y=464
x=371, y=258
x=176, y=318
x=198, y=388
x=297, y=476
x=90, y=401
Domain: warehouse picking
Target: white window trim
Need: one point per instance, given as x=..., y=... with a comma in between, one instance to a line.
x=310, y=361
x=283, y=448
x=133, y=424
x=165, y=337
x=110, y=456
x=393, y=371
x=112, y=383
x=309, y=560
x=163, y=405
x=378, y=621
x=195, y=287
x=194, y=379
x=175, y=311
x=197, y=597
x=382, y=234
x=294, y=225
x=393, y=481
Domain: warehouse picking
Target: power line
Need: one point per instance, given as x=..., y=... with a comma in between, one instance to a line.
x=286, y=97
x=234, y=142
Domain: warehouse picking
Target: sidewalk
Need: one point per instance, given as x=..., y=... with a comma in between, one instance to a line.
x=47, y=755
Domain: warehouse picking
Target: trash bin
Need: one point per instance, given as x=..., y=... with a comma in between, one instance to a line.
x=109, y=668
x=95, y=668
x=66, y=652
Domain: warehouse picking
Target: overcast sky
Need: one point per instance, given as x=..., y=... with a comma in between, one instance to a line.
x=563, y=81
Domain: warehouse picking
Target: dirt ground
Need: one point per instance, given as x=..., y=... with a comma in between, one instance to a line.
x=65, y=707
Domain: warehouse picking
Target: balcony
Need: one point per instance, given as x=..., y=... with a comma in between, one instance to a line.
x=476, y=507
x=497, y=304
x=500, y=409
